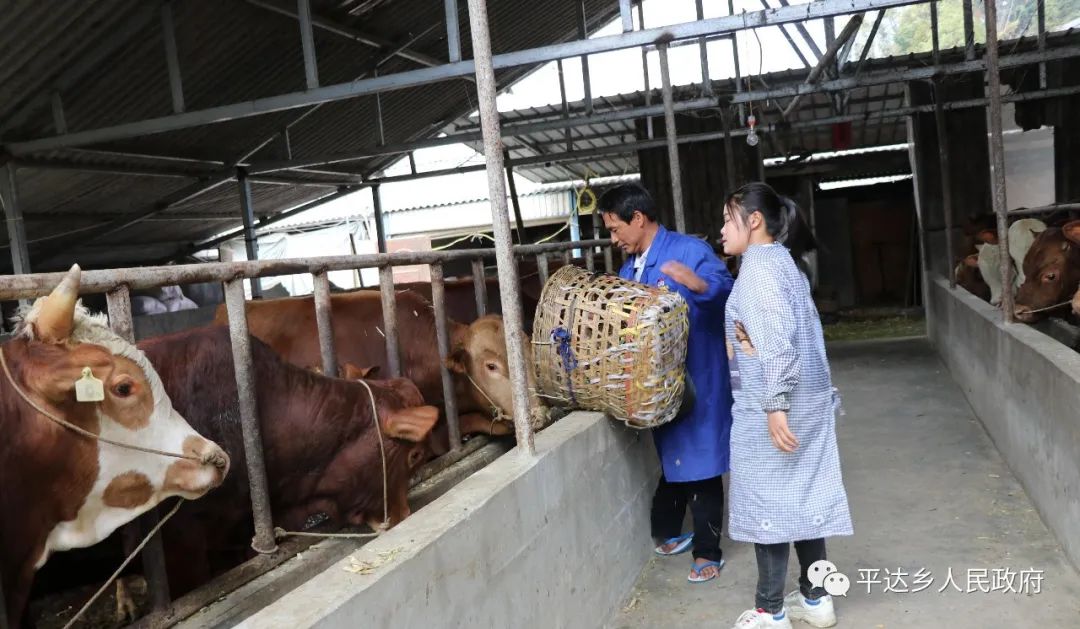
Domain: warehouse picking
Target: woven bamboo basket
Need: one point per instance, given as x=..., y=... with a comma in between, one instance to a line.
x=605, y=344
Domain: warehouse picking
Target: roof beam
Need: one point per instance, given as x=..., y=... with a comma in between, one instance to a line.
x=805, y=35
x=826, y=60
x=348, y=32
x=424, y=76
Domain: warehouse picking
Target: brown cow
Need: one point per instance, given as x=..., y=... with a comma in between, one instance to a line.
x=320, y=449
x=478, y=351
x=1052, y=270
x=970, y=278
x=63, y=490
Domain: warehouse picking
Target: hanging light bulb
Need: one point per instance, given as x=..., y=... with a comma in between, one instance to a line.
x=752, y=137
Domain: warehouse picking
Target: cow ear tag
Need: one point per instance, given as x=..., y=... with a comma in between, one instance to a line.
x=88, y=388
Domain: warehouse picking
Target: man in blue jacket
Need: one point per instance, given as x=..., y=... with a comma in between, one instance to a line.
x=693, y=449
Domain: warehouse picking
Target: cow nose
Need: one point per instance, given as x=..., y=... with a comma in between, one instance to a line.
x=1022, y=313
x=211, y=455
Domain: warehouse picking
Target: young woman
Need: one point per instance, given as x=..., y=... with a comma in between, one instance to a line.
x=785, y=469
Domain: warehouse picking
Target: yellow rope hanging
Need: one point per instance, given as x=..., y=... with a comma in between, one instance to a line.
x=586, y=198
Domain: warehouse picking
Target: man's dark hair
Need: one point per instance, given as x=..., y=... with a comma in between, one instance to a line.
x=623, y=200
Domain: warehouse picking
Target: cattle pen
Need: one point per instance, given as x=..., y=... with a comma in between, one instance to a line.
x=300, y=105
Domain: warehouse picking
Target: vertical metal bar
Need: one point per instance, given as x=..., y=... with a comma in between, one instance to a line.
x=935, y=44
x=59, y=120
x=442, y=334
x=583, y=33
x=453, y=31
x=286, y=143
x=389, y=313
x=609, y=264
x=172, y=57
x=542, y=267
x=672, y=141
x=153, y=554
x=380, y=224
x=969, y=31
x=566, y=258
x=645, y=71
x=946, y=174
x=565, y=104
x=16, y=227
x=706, y=82
x=1042, y=42
x=412, y=162
x=307, y=40
x=263, y=542
x=504, y=255
x=627, y=16
x=251, y=241
x=997, y=158
x=479, y=278
x=325, y=324
x=735, y=60
x=590, y=262
x=514, y=199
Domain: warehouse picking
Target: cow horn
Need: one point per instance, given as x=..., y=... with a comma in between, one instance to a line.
x=57, y=315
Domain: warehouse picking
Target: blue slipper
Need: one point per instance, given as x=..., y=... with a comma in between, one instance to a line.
x=682, y=544
x=695, y=571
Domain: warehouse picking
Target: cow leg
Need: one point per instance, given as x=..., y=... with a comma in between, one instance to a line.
x=125, y=603
x=188, y=560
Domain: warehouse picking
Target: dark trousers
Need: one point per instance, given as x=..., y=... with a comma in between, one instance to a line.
x=706, y=501
x=772, y=562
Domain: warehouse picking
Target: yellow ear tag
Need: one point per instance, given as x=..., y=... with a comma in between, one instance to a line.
x=88, y=388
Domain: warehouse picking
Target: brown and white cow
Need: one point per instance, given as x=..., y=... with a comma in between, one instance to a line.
x=320, y=447
x=1052, y=270
x=62, y=490
x=478, y=351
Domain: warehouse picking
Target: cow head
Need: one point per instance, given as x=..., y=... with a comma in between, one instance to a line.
x=479, y=354
x=970, y=278
x=58, y=340
x=1052, y=271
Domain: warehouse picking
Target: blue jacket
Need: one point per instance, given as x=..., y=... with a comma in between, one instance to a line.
x=695, y=447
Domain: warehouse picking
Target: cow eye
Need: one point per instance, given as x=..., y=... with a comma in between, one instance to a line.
x=1050, y=277
x=492, y=367
x=123, y=389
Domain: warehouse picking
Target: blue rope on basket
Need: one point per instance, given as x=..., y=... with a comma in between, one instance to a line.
x=561, y=338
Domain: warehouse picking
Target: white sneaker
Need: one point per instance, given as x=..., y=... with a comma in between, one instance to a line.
x=759, y=618
x=819, y=613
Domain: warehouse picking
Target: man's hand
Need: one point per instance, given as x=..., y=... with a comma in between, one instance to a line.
x=778, y=431
x=684, y=275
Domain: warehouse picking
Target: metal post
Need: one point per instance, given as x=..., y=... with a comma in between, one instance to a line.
x=997, y=158
x=590, y=259
x=153, y=554
x=479, y=278
x=412, y=162
x=59, y=120
x=609, y=264
x=735, y=60
x=542, y=267
x=389, y=313
x=935, y=45
x=627, y=16
x=380, y=225
x=325, y=324
x=672, y=141
x=729, y=152
x=946, y=175
x=583, y=32
x=16, y=227
x=307, y=41
x=645, y=71
x=172, y=58
x=565, y=104
x=263, y=542
x=706, y=82
x=969, y=31
x=453, y=31
x=826, y=60
x=504, y=255
x=379, y=118
x=438, y=298
x=514, y=199
x=567, y=260
x=1042, y=42
x=251, y=241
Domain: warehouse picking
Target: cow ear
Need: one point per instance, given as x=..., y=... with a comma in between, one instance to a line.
x=972, y=261
x=352, y=372
x=1072, y=231
x=411, y=424
x=988, y=236
x=458, y=360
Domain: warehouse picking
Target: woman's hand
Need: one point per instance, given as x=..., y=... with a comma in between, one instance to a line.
x=780, y=434
x=684, y=275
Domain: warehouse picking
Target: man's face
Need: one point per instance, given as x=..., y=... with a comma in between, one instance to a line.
x=630, y=237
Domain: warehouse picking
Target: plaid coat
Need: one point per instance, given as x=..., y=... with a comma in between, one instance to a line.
x=777, y=361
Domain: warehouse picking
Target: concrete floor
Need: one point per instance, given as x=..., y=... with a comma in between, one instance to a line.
x=928, y=490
